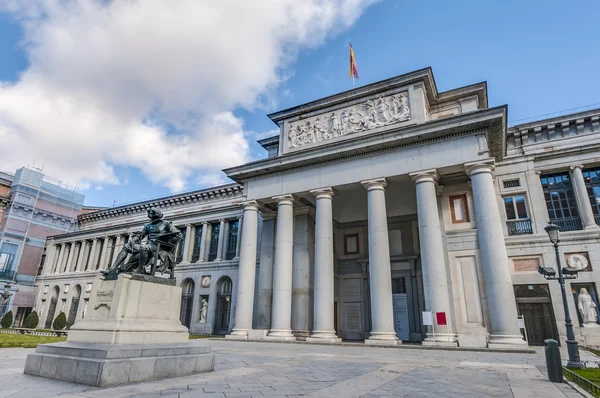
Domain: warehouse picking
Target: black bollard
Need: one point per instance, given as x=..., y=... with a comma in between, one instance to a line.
x=553, y=362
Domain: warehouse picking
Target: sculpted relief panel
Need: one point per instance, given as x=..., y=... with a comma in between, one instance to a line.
x=371, y=114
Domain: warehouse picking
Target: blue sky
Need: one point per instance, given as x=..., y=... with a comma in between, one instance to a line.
x=538, y=57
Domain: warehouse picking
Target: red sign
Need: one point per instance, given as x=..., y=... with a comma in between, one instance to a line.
x=440, y=317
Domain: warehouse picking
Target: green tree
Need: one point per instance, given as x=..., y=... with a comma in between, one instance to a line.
x=31, y=321
x=7, y=320
x=60, y=322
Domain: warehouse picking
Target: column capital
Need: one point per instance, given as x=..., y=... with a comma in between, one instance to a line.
x=484, y=166
x=287, y=199
x=375, y=184
x=576, y=166
x=249, y=205
x=430, y=175
x=326, y=193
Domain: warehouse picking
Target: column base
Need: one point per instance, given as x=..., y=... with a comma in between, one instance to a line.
x=507, y=342
x=238, y=334
x=280, y=335
x=383, y=338
x=594, y=227
x=441, y=340
x=324, y=336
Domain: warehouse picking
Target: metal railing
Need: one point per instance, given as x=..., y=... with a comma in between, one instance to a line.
x=519, y=227
x=584, y=383
x=568, y=223
x=597, y=218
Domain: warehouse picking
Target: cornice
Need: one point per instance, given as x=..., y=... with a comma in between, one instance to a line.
x=202, y=196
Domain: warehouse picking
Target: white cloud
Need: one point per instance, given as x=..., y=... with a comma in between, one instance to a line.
x=151, y=84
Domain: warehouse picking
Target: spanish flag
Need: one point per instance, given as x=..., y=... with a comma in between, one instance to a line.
x=353, y=72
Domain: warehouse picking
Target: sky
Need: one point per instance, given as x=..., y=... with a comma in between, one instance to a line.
x=136, y=99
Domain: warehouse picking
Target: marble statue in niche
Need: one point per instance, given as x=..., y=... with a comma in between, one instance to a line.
x=203, y=310
x=587, y=309
x=371, y=114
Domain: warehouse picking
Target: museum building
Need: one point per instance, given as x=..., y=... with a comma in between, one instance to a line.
x=373, y=206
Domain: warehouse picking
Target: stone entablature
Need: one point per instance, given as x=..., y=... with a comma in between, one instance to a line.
x=526, y=137
x=206, y=196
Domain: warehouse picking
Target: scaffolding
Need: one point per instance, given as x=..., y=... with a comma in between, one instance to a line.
x=35, y=195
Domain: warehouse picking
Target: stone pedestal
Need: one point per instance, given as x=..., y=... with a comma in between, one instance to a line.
x=130, y=333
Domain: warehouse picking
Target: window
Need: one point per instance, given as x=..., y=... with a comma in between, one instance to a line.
x=517, y=220
x=399, y=285
x=214, y=241
x=24, y=199
x=197, y=242
x=232, y=239
x=459, y=209
x=515, y=208
x=511, y=183
x=42, y=262
x=592, y=183
x=560, y=201
x=7, y=259
x=351, y=244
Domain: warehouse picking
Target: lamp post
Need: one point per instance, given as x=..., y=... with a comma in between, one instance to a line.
x=553, y=231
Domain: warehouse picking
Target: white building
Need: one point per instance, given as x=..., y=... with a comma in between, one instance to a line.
x=373, y=206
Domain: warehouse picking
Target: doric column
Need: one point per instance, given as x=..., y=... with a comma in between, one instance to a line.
x=494, y=258
x=265, y=272
x=246, y=275
x=104, y=253
x=281, y=315
x=69, y=261
x=188, y=245
x=239, y=237
x=583, y=199
x=93, y=254
x=221, y=241
x=433, y=261
x=61, y=255
x=205, y=241
x=324, y=328
x=82, y=255
x=382, y=309
x=50, y=257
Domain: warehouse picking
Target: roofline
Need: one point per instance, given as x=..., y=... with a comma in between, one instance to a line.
x=556, y=119
x=270, y=141
x=162, y=198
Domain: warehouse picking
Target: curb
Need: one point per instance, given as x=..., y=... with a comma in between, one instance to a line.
x=398, y=346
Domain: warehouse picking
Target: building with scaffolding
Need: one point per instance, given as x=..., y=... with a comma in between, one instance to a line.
x=33, y=206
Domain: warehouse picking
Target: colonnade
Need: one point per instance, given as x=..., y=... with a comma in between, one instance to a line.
x=98, y=253
x=436, y=279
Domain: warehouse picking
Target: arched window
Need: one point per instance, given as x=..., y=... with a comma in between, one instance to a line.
x=223, y=308
x=187, y=302
x=74, y=306
x=52, y=307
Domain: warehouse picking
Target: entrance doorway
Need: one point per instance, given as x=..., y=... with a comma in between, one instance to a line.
x=401, y=307
x=535, y=305
x=223, y=308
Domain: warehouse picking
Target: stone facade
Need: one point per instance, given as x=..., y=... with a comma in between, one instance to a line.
x=373, y=206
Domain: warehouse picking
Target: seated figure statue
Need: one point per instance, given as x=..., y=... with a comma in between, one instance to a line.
x=162, y=238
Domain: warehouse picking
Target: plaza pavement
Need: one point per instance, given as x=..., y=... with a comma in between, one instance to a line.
x=254, y=369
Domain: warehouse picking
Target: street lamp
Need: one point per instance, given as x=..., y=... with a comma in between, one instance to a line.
x=553, y=231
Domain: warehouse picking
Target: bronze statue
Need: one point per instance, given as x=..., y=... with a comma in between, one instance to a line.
x=162, y=239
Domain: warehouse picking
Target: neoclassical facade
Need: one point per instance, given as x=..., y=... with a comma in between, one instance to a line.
x=373, y=207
